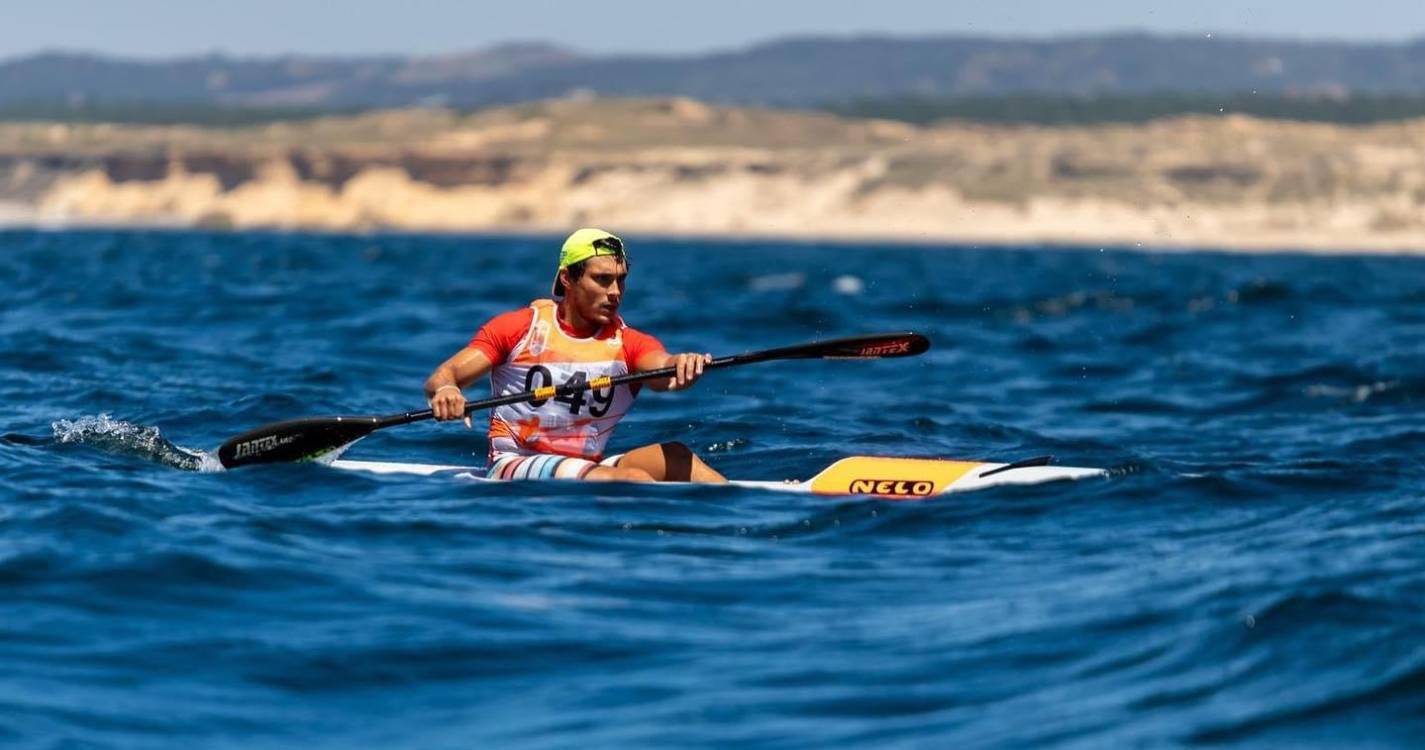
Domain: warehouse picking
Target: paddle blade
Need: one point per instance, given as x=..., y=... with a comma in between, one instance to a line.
x=294, y=440
x=880, y=346
x=873, y=346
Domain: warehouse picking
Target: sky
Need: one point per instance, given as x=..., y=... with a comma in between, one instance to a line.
x=157, y=28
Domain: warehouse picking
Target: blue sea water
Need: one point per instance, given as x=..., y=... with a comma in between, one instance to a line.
x=1252, y=574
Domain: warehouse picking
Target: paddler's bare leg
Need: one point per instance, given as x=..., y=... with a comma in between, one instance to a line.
x=668, y=462
x=617, y=474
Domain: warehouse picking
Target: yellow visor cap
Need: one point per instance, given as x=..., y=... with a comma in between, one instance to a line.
x=582, y=245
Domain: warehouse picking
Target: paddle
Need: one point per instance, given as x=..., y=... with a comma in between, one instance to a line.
x=305, y=439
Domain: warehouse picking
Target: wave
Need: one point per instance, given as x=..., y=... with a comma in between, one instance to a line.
x=1366, y=674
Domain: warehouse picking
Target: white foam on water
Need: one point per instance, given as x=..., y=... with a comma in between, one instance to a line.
x=848, y=285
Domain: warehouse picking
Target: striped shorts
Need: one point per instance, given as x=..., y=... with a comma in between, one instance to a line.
x=542, y=466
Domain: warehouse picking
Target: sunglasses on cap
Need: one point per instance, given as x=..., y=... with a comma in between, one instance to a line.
x=607, y=246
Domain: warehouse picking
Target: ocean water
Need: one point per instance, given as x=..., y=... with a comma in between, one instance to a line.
x=1252, y=573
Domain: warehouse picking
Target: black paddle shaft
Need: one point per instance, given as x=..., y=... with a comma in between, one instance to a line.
x=311, y=437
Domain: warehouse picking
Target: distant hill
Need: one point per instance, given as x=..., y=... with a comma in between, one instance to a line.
x=682, y=167
x=77, y=79
x=795, y=72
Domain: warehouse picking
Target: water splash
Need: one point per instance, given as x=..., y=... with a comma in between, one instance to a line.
x=726, y=446
x=128, y=439
x=1358, y=394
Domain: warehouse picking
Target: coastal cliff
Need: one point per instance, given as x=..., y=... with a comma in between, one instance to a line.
x=677, y=166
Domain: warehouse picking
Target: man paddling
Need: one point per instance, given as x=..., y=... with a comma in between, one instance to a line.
x=576, y=337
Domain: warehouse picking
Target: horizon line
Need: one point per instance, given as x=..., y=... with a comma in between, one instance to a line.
x=1108, y=33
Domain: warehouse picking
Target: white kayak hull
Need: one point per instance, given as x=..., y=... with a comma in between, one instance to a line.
x=876, y=476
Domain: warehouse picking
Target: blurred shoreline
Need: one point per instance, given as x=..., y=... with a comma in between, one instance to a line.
x=677, y=167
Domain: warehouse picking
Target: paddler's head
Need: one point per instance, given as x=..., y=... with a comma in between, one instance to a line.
x=591, y=276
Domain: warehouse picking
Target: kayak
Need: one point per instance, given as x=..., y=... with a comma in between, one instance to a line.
x=323, y=439
x=876, y=476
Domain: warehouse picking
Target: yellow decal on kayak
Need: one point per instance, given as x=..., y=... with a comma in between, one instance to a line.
x=896, y=478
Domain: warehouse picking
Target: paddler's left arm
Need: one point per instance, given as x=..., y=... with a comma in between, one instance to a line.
x=690, y=368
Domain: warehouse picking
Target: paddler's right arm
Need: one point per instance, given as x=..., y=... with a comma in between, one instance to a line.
x=444, y=386
x=487, y=348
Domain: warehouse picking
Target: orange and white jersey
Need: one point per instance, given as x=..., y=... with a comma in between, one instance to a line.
x=578, y=424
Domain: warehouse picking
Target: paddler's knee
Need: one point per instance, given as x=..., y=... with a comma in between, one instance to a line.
x=685, y=466
x=678, y=461
x=674, y=450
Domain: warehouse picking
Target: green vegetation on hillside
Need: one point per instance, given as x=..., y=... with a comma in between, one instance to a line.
x=160, y=113
x=1050, y=109
x=1009, y=109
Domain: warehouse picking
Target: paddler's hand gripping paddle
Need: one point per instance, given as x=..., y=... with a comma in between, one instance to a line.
x=312, y=437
